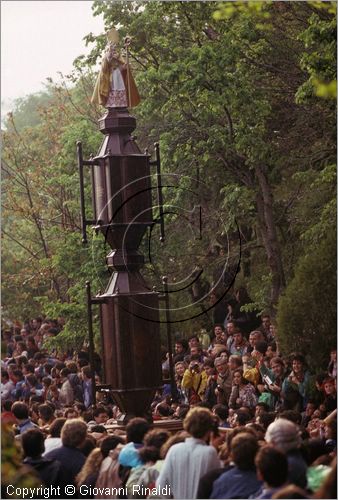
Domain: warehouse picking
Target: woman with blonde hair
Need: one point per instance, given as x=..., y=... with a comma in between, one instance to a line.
x=90, y=470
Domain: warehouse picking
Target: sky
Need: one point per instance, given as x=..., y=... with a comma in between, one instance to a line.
x=38, y=39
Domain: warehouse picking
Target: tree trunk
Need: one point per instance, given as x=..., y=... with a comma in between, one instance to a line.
x=267, y=226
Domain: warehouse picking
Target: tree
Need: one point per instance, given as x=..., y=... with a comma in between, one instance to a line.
x=44, y=264
x=222, y=95
x=307, y=311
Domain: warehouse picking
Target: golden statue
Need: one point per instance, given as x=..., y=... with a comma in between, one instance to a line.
x=115, y=86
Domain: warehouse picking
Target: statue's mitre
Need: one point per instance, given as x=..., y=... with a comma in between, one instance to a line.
x=113, y=35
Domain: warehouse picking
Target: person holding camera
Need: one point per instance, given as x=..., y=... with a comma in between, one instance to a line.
x=194, y=381
x=224, y=380
x=209, y=396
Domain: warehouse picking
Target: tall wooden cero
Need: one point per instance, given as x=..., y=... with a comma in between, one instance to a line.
x=122, y=205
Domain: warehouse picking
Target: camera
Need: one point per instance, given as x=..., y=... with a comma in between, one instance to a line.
x=220, y=388
x=195, y=368
x=267, y=380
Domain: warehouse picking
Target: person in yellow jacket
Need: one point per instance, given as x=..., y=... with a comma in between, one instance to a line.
x=115, y=86
x=253, y=366
x=195, y=380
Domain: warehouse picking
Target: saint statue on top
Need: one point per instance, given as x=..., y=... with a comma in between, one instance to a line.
x=115, y=86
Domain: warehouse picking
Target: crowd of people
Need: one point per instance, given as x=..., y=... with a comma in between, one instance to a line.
x=256, y=422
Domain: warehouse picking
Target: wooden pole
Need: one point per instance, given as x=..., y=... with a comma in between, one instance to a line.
x=173, y=386
x=91, y=341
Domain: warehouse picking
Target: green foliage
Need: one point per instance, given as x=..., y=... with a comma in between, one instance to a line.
x=307, y=310
x=325, y=213
x=44, y=264
x=228, y=10
x=20, y=477
x=28, y=109
x=319, y=59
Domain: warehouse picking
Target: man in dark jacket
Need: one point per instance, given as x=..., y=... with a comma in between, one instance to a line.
x=73, y=434
x=21, y=413
x=48, y=470
x=241, y=480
